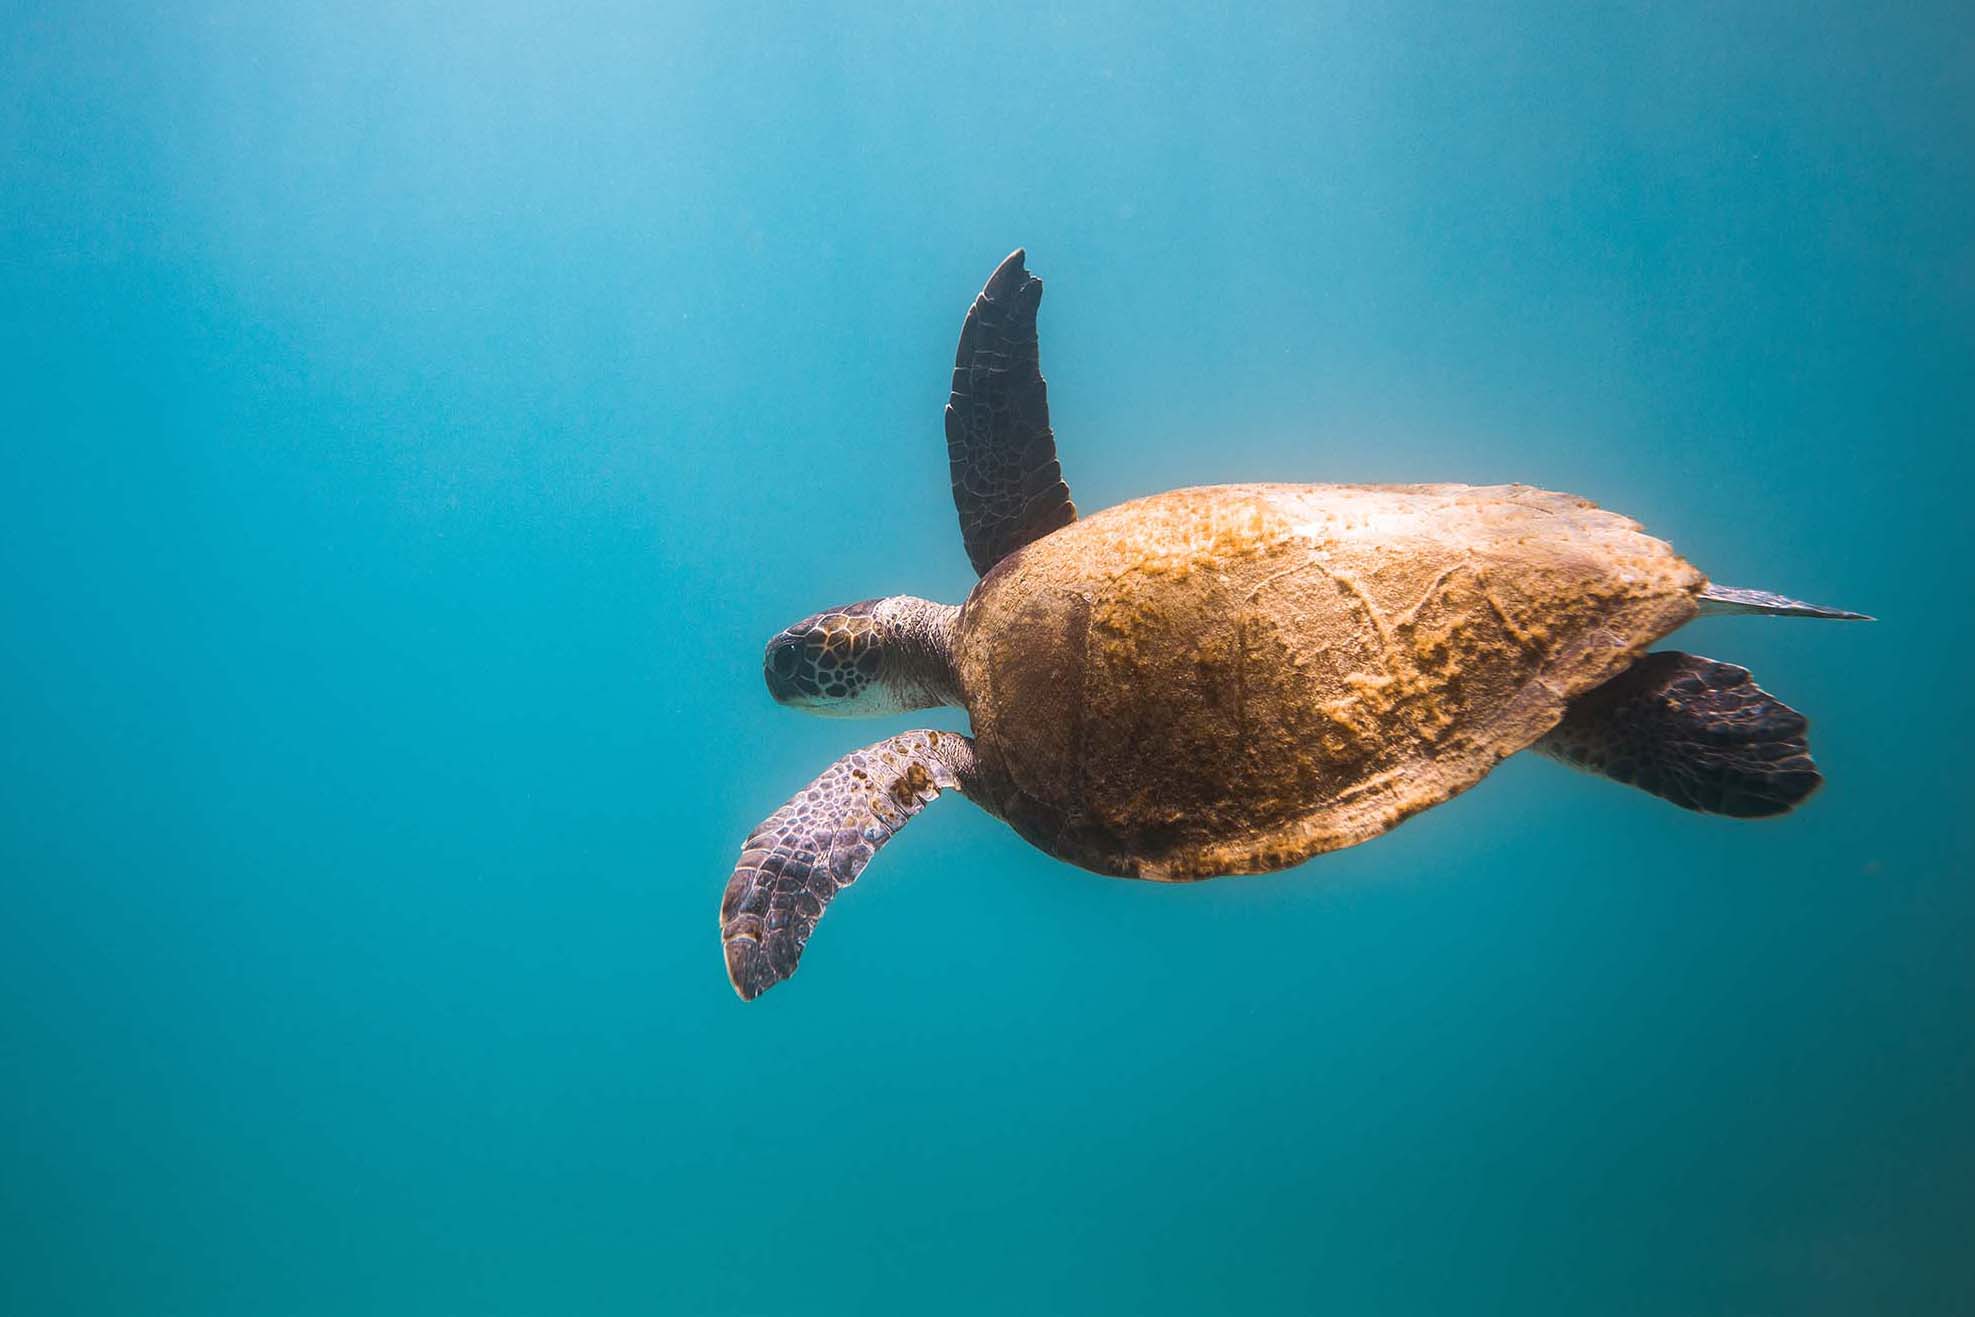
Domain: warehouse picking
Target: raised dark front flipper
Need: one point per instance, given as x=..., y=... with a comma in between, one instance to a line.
x=1693, y=731
x=815, y=846
x=1007, y=485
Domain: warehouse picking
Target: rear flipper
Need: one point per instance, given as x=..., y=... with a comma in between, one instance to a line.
x=1718, y=599
x=1693, y=731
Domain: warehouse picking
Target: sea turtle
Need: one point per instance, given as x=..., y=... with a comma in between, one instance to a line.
x=1231, y=679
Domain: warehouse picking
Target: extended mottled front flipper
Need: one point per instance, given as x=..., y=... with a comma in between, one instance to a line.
x=1693, y=731
x=815, y=846
x=1007, y=485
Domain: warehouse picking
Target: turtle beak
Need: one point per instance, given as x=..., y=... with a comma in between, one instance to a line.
x=779, y=666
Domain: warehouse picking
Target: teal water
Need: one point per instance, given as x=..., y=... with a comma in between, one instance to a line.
x=417, y=419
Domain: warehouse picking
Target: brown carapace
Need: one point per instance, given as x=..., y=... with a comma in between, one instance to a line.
x=1232, y=679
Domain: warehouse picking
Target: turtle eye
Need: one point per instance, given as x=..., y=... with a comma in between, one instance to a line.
x=785, y=658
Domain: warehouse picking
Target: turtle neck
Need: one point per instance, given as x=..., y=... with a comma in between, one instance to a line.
x=918, y=655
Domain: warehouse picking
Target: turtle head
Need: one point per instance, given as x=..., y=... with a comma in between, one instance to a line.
x=876, y=656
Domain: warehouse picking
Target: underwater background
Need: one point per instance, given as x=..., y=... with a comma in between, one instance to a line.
x=416, y=418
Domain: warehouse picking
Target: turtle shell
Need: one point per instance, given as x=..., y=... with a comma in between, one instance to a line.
x=1234, y=678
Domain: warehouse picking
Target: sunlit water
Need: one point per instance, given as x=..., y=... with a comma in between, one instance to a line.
x=417, y=417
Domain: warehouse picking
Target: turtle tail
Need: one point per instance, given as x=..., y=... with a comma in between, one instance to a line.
x=1721, y=599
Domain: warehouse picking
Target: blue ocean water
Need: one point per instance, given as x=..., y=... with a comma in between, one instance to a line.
x=417, y=417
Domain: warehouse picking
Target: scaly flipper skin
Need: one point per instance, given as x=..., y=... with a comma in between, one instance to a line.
x=815, y=846
x=1007, y=485
x=1693, y=731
